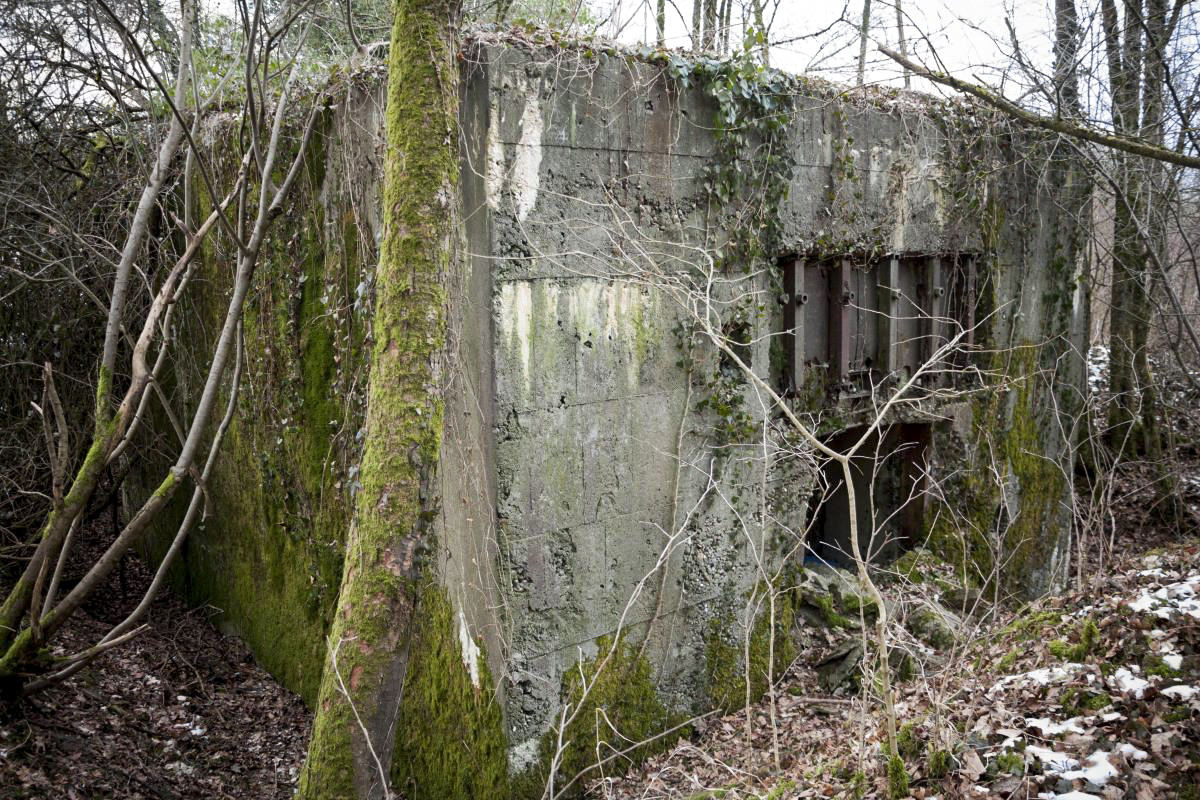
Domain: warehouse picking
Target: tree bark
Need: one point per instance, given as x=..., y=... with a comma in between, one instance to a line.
x=863, y=30
x=1136, y=75
x=390, y=544
x=710, y=25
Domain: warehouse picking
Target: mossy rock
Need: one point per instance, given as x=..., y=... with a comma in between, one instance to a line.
x=822, y=609
x=840, y=666
x=918, y=566
x=831, y=598
x=934, y=628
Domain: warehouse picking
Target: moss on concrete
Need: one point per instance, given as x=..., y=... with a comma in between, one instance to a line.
x=1008, y=441
x=443, y=707
x=268, y=552
x=613, y=706
x=725, y=655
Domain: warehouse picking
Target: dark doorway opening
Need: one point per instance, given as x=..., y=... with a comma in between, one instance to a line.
x=889, y=483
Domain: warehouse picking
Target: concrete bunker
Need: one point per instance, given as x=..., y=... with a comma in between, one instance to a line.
x=590, y=502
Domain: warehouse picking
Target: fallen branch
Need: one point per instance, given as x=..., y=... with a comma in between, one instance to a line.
x=1056, y=124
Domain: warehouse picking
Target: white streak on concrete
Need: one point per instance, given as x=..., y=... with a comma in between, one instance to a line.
x=494, y=177
x=470, y=650
x=516, y=317
x=526, y=171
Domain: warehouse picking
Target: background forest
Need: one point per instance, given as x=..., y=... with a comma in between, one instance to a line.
x=113, y=687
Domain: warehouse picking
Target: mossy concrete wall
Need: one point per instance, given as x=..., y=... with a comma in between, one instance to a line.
x=592, y=499
x=266, y=558
x=594, y=167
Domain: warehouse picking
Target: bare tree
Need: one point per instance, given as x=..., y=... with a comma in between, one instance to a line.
x=1136, y=139
x=140, y=303
x=864, y=30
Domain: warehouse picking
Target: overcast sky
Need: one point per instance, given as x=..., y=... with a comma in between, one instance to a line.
x=970, y=37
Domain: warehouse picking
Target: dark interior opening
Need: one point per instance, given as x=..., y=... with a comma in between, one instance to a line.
x=889, y=480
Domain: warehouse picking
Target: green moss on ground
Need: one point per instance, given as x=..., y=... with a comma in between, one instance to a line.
x=1007, y=763
x=1089, y=634
x=1153, y=665
x=939, y=764
x=897, y=778
x=1077, y=702
x=909, y=743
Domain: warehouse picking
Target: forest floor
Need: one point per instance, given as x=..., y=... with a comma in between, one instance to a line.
x=1091, y=694
x=1088, y=695
x=181, y=711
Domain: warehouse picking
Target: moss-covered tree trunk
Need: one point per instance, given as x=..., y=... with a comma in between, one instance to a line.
x=390, y=549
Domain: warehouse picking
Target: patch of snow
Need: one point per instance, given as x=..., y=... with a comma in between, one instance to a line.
x=1052, y=760
x=1125, y=681
x=1097, y=368
x=1099, y=770
x=1050, y=728
x=1144, y=602
x=1181, y=692
x=1173, y=660
x=1112, y=716
x=1132, y=753
x=1072, y=795
x=1043, y=677
x=1171, y=600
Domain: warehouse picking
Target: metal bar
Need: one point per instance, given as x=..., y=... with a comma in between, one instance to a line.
x=841, y=297
x=793, y=320
x=933, y=308
x=889, y=327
